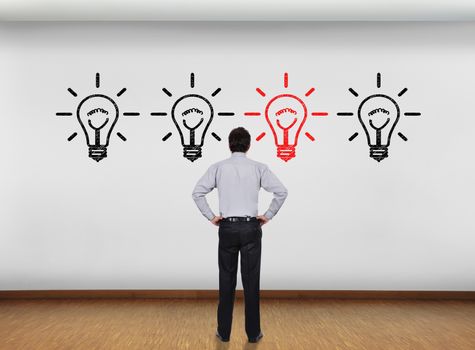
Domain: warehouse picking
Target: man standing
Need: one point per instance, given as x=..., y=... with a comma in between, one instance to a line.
x=238, y=180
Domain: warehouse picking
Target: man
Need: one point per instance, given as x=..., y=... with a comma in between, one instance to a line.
x=238, y=180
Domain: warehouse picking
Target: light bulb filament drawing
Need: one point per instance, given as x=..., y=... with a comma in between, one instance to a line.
x=286, y=131
x=97, y=128
x=378, y=110
x=288, y=127
x=97, y=110
x=285, y=110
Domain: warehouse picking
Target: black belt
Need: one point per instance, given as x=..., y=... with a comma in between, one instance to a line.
x=239, y=218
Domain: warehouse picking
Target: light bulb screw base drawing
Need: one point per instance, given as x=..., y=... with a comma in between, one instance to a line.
x=378, y=153
x=97, y=153
x=286, y=153
x=192, y=153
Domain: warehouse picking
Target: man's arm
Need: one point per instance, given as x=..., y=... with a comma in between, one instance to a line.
x=205, y=185
x=271, y=183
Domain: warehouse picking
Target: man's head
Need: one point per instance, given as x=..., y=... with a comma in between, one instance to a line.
x=239, y=140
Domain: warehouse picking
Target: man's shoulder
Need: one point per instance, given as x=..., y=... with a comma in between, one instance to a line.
x=256, y=163
x=230, y=161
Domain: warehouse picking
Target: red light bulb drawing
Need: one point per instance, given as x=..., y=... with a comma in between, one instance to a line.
x=286, y=115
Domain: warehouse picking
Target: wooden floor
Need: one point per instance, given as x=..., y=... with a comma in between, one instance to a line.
x=190, y=324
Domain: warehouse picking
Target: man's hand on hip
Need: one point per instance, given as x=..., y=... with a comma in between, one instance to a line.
x=262, y=219
x=215, y=221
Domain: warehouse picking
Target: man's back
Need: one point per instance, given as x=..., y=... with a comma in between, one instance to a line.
x=238, y=180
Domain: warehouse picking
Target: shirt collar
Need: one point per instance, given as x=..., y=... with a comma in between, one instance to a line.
x=238, y=154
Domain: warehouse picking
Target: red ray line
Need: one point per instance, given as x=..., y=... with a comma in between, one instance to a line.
x=252, y=114
x=286, y=80
x=258, y=138
x=262, y=93
x=310, y=136
x=309, y=92
x=319, y=114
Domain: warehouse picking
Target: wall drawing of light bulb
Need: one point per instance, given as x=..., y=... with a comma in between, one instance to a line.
x=286, y=114
x=97, y=114
x=192, y=115
x=378, y=114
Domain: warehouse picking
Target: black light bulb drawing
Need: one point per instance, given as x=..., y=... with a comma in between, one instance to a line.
x=378, y=114
x=97, y=114
x=192, y=115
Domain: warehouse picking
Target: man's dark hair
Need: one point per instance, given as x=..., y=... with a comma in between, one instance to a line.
x=239, y=140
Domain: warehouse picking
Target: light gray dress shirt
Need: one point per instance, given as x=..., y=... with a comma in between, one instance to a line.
x=238, y=180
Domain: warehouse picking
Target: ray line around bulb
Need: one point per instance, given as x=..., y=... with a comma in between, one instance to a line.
x=122, y=137
x=215, y=92
x=319, y=114
x=167, y=136
x=121, y=92
x=353, y=92
x=378, y=80
x=260, y=92
x=310, y=136
x=131, y=114
x=98, y=80
x=226, y=114
x=168, y=93
x=63, y=114
x=345, y=114
x=402, y=136
x=261, y=135
x=286, y=80
x=352, y=137
x=216, y=136
x=309, y=92
x=72, y=92
x=192, y=80
x=252, y=114
x=412, y=114
x=402, y=92
x=158, y=114
x=73, y=135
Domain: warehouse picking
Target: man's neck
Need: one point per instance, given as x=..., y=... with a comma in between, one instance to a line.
x=238, y=154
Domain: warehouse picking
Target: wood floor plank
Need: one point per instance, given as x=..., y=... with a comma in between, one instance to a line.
x=189, y=324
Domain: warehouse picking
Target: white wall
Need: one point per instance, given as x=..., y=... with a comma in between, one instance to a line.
x=67, y=222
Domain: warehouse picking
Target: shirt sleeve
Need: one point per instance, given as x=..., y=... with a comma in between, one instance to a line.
x=271, y=183
x=205, y=185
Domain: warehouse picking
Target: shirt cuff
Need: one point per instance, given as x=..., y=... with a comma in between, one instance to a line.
x=268, y=214
x=209, y=216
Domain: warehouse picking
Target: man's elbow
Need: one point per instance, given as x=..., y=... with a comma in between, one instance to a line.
x=284, y=193
x=195, y=195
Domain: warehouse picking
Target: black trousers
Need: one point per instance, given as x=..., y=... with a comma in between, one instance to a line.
x=234, y=238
